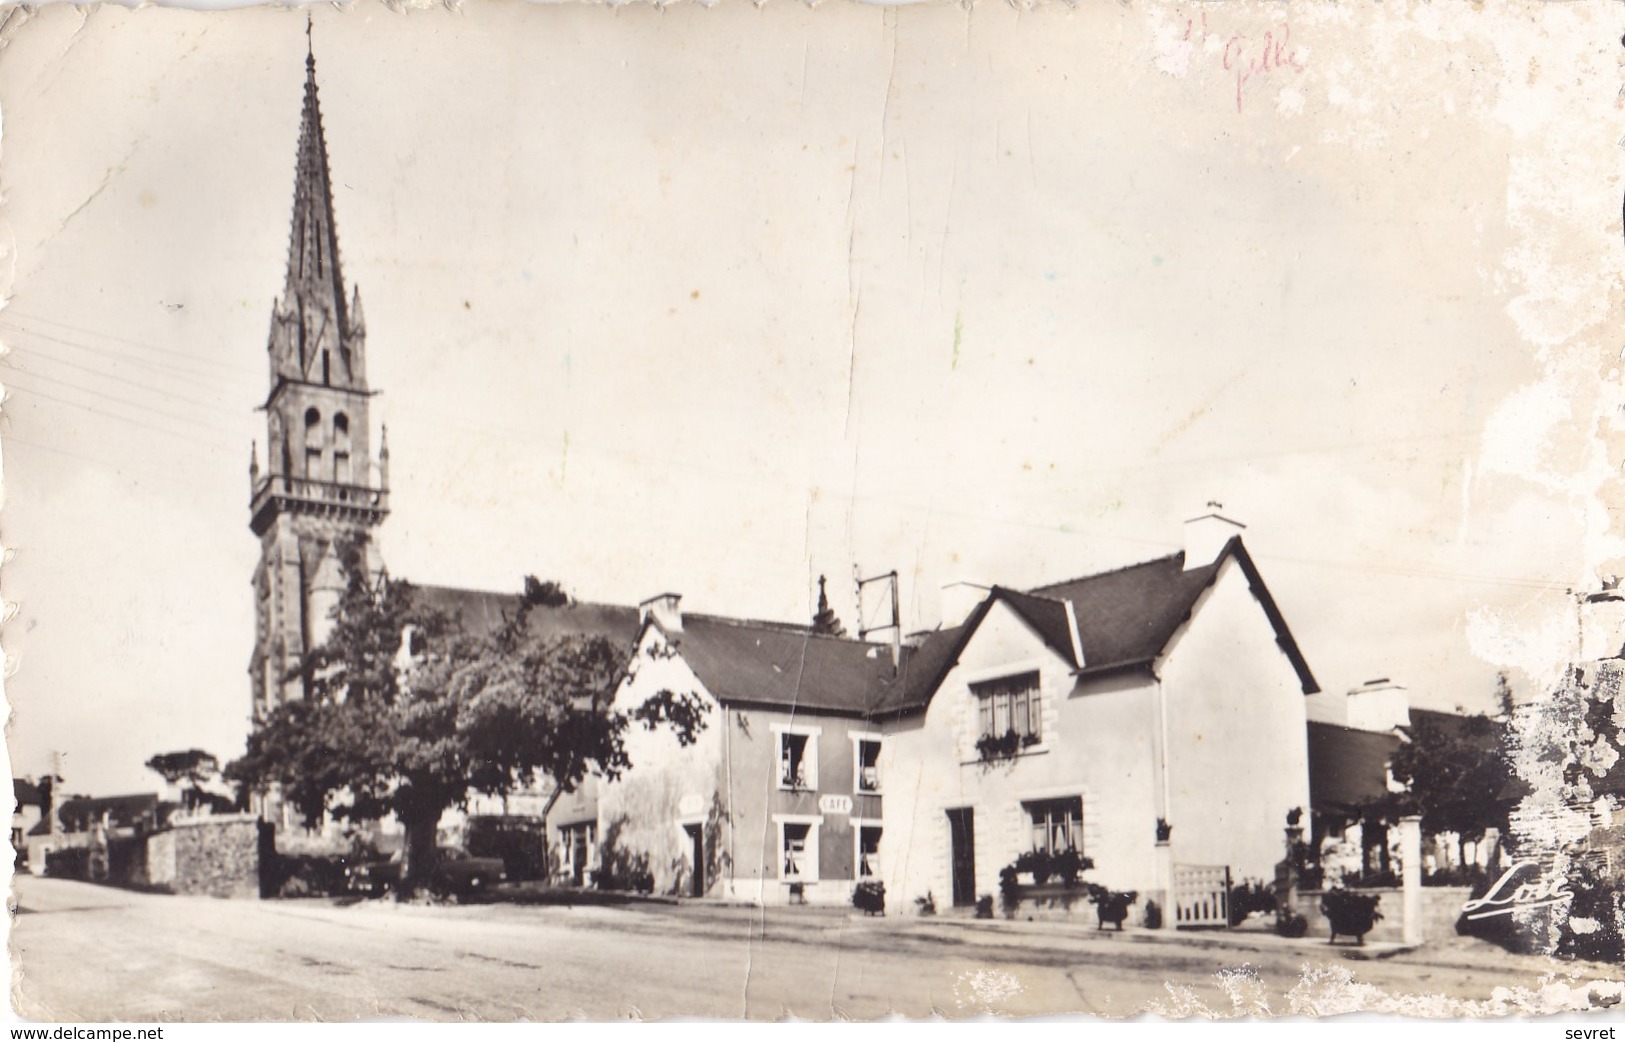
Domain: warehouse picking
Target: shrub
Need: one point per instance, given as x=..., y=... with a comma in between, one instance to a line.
x=1153, y=916
x=1291, y=924
x=1249, y=896
x=869, y=897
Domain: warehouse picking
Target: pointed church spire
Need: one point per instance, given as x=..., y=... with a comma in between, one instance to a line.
x=315, y=339
x=826, y=621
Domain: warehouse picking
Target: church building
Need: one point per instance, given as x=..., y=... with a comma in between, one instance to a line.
x=320, y=486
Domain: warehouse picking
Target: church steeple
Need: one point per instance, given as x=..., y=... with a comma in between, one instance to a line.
x=320, y=491
x=316, y=335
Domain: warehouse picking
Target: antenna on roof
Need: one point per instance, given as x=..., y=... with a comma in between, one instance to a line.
x=896, y=623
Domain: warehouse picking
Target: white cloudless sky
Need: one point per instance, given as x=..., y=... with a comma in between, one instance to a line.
x=720, y=300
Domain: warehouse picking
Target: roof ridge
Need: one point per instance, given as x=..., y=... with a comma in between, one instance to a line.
x=797, y=628
x=514, y=596
x=1176, y=555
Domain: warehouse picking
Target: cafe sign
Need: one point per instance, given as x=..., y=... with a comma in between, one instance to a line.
x=833, y=804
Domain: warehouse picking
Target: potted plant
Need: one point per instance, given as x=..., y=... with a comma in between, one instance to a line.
x=991, y=748
x=1111, y=906
x=1035, y=862
x=1069, y=864
x=869, y=897
x=1349, y=913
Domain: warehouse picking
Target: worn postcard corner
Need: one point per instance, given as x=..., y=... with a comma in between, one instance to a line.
x=558, y=511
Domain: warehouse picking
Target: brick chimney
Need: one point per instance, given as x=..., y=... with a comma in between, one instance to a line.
x=663, y=608
x=1206, y=535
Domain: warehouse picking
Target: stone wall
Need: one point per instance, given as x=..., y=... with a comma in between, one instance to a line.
x=213, y=856
x=1441, y=907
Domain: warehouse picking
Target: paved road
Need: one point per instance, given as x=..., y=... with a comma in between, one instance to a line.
x=89, y=953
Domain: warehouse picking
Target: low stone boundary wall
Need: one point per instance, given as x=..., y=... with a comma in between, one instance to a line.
x=1441, y=907
x=216, y=856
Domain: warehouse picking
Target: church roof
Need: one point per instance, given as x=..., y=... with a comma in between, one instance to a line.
x=484, y=610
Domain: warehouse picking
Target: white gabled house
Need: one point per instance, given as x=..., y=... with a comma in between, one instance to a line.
x=1086, y=713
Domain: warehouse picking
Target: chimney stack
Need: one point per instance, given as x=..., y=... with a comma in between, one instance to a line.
x=1207, y=534
x=663, y=608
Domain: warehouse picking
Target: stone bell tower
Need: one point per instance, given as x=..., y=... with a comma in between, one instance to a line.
x=319, y=489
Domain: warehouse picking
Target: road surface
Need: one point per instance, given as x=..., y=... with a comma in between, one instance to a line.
x=88, y=953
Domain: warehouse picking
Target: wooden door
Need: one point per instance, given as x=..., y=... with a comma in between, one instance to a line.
x=962, y=838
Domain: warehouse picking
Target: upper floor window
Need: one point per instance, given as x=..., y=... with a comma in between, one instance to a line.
x=798, y=758
x=1057, y=824
x=866, y=763
x=341, y=449
x=313, y=444
x=1010, y=705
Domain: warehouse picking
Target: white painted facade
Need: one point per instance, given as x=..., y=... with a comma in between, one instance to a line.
x=1213, y=738
x=1238, y=746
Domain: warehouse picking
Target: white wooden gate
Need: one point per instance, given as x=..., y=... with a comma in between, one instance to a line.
x=1201, y=895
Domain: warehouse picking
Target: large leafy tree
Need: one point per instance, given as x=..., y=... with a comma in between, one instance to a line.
x=1458, y=776
x=415, y=734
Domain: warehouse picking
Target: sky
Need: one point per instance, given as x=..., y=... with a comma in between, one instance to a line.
x=718, y=300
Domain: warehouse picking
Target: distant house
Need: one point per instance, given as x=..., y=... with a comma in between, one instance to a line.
x=31, y=801
x=98, y=822
x=1095, y=715
x=1354, y=797
x=779, y=800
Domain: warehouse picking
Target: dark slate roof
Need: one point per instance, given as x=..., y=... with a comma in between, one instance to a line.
x=1348, y=768
x=1125, y=619
x=1127, y=616
x=743, y=662
x=1047, y=615
x=483, y=611
x=28, y=794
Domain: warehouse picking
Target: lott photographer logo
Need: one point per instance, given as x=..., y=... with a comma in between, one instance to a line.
x=1508, y=894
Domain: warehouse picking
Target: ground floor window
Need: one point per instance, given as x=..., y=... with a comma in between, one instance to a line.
x=868, y=854
x=1057, y=824
x=798, y=850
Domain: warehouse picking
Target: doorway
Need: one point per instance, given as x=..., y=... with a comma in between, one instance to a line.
x=962, y=840
x=696, y=846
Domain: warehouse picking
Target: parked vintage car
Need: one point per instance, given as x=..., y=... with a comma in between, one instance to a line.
x=456, y=872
